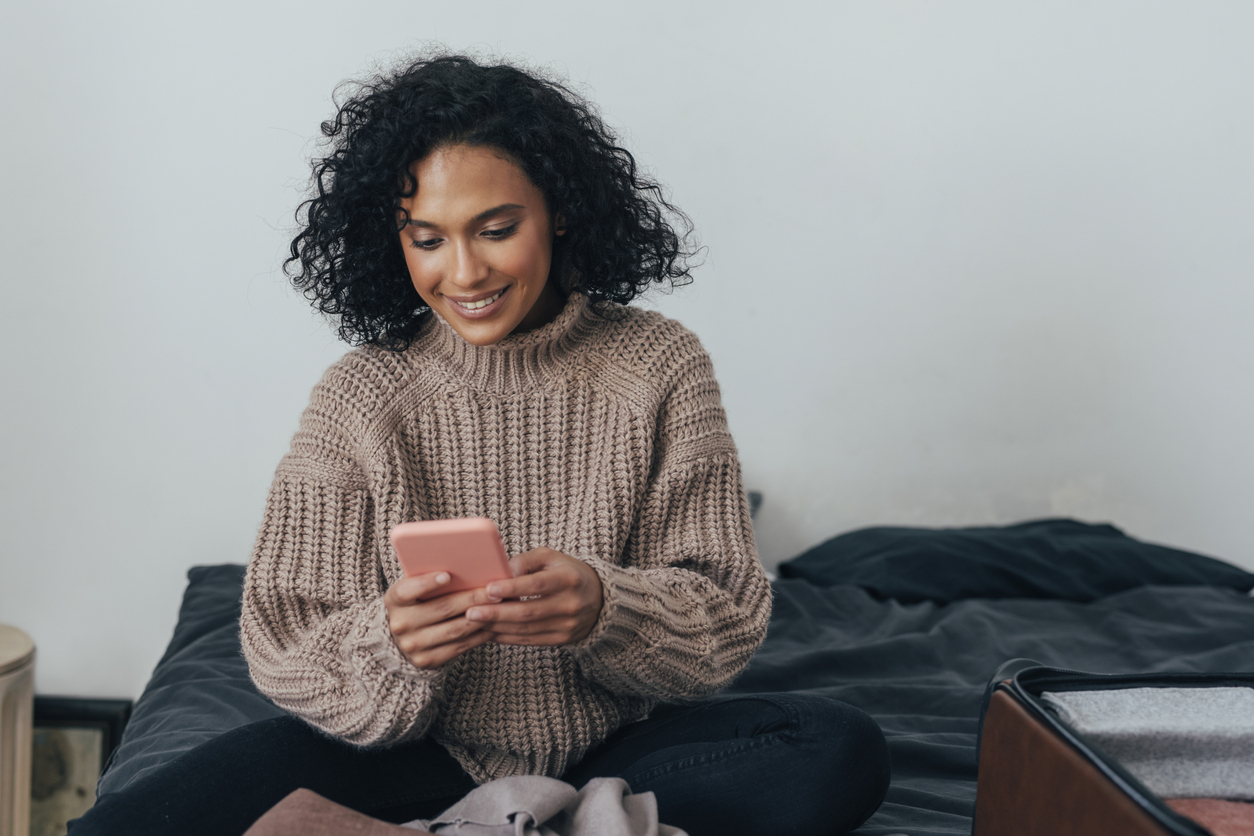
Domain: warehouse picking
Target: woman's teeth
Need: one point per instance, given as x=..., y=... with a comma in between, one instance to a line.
x=482, y=303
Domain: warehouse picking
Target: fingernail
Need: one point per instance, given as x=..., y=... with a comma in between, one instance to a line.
x=494, y=592
x=474, y=615
x=442, y=577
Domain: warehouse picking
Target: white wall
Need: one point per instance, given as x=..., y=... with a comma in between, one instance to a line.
x=968, y=263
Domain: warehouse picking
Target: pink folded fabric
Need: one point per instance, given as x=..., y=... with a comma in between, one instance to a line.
x=1222, y=818
x=305, y=813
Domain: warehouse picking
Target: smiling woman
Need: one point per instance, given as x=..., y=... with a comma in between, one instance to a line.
x=485, y=271
x=619, y=231
x=478, y=232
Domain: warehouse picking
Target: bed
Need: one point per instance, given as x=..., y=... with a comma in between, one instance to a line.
x=906, y=623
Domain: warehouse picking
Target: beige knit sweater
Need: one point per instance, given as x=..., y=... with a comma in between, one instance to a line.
x=605, y=440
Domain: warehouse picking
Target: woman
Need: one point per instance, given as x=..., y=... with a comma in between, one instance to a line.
x=477, y=232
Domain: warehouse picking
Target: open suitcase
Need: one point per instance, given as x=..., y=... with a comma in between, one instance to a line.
x=1042, y=776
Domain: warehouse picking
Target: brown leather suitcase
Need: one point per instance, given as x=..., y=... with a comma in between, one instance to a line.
x=1038, y=777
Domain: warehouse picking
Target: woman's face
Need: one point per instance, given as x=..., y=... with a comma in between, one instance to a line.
x=478, y=244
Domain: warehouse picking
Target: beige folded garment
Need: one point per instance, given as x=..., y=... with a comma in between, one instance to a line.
x=524, y=805
x=533, y=805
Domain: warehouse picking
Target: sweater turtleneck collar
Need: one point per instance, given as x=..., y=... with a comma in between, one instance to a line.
x=520, y=361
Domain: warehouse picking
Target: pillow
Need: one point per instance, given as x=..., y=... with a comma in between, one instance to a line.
x=210, y=602
x=1058, y=558
x=199, y=689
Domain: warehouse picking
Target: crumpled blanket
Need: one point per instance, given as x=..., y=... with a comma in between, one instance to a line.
x=532, y=805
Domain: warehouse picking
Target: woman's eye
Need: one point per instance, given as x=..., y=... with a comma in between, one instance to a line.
x=503, y=232
x=425, y=243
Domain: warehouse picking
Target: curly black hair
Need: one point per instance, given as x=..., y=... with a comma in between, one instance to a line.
x=618, y=237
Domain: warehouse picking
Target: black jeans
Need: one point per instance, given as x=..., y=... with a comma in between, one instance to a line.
x=764, y=763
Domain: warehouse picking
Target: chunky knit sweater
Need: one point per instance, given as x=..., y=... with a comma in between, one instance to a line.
x=601, y=438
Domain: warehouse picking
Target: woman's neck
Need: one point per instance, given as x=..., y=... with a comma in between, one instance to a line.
x=522, y=360
x=544, y=311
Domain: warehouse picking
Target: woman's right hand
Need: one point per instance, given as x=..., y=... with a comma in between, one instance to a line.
x=428, y=626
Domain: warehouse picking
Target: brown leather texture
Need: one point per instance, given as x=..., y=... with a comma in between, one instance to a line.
x=305, y=813
x=1220, y=817
x=1032, y=783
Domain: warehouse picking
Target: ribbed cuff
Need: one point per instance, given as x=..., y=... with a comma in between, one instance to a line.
x=398, y=698
x=373, y=651
x=628, y=606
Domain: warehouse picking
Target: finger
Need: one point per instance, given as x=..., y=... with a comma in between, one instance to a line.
x=565, y=625
x=523, y=611
x=542, y=582
x=436, y=656
x=433, y=610
x=532, y=561
x=434, y=636
x=451, y=605
x=411, y=589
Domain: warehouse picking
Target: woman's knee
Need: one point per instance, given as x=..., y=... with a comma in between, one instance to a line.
x=786, y=763
x=838, y=763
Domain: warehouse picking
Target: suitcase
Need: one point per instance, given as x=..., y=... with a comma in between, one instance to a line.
x=1039, y=777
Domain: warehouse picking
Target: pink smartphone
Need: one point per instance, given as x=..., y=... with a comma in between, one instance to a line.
x=469, y=549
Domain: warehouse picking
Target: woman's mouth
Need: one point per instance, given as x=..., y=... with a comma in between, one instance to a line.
x=480, y=308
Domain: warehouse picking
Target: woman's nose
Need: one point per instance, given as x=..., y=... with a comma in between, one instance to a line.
x=468, y=268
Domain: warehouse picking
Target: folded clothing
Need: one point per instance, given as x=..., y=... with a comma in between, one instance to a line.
x=522, y=805
x=533, y=805
x=1179, y=742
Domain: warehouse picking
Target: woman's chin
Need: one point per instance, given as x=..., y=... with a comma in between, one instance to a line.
x=482, y=332
x=506, y=316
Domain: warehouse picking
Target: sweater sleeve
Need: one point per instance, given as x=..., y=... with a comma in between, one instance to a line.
x=690, y=603
x=313, y=626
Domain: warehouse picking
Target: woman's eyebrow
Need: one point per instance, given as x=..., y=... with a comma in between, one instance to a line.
x=482, y=216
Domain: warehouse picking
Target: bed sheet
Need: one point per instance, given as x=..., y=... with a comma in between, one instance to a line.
x=919, y=669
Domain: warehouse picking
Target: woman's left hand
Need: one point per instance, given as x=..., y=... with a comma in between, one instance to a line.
x=563, y=601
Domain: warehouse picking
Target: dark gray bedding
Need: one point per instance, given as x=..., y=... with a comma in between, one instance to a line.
x=919, y=669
